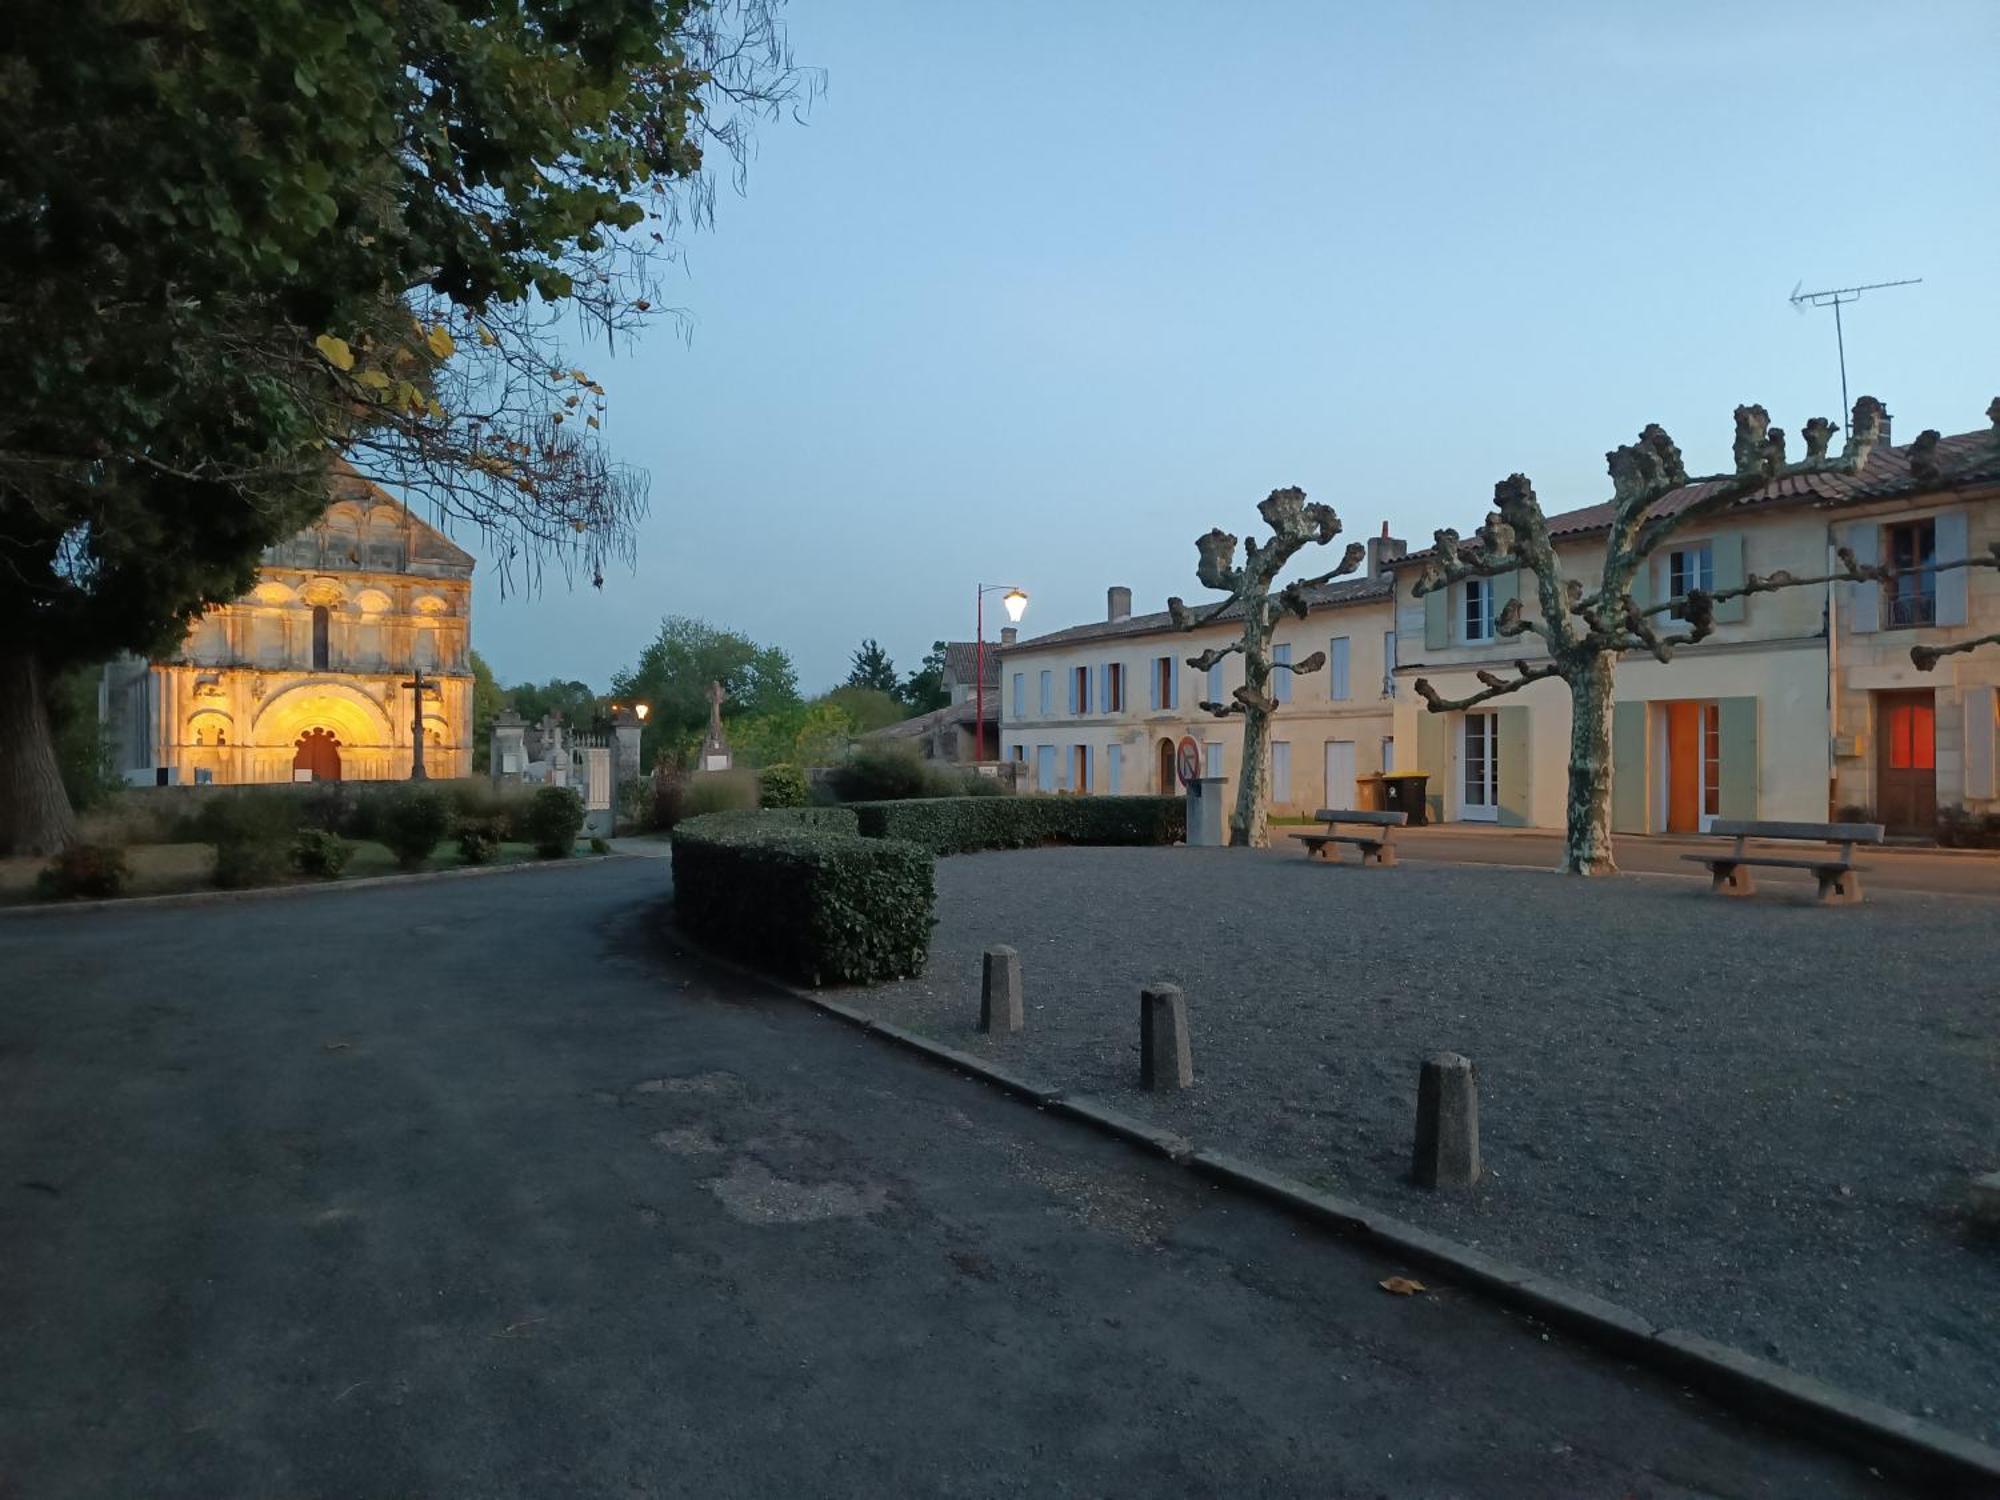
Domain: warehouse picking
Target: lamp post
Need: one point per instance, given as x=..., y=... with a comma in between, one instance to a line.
x=1016, y=604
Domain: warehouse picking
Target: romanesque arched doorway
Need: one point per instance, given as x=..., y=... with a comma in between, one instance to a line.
x=318, y=754
x=1166, y=781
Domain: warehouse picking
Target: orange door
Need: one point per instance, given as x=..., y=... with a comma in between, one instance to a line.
x=1906, y=762
x=1683, y=767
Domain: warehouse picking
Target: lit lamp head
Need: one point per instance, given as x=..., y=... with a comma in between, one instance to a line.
x=1016, y=604
x=642, y=709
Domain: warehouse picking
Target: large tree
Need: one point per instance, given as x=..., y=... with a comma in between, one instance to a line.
x=872, y=668
x=1247, y=587
x=1584, y=631
x=673, y=673
x=924, y=690
x=237, y=237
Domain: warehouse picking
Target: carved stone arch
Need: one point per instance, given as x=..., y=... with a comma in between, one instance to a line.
x=350, y=714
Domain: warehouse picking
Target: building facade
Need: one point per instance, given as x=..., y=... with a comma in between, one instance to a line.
x=308, y=676
x=1803, y=705
x=1100, y=709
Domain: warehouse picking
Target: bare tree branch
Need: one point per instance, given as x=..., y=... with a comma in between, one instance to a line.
x=1496, y=687
x=1927, y=657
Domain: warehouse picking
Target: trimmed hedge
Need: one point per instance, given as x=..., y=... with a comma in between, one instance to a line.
x=960, y=825
x=800, y=892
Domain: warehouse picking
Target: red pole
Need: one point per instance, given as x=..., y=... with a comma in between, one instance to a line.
x=979, y=675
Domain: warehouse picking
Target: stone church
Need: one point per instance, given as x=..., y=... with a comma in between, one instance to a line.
x=307, y=677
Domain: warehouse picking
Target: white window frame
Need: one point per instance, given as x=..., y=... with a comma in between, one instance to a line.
x=1488, y=732
x=1703, y=552
x=1476, y=609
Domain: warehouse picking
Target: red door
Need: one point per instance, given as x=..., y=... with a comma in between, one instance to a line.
x=319, y=753
x=1906, y=762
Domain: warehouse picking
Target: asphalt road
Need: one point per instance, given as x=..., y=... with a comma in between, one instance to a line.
x=476, y=1188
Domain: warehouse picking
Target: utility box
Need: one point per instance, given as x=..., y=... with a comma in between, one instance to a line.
x=1370, y=795
x=1207, y=822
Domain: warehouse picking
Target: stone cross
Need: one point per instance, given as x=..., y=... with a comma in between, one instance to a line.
x=714, y=748
x=416, y=686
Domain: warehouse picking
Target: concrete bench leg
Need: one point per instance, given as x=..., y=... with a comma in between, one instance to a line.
x=1839, y=887
x=1380, y=855
x=1731, y=880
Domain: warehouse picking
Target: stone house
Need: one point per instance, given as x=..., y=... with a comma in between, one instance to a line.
x=1100, y=709
x=1804, y=703
x=306, y=677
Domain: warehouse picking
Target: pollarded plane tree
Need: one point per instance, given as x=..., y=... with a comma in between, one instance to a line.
x=1923, y=464
x=1294, y=524
x=1584, y=632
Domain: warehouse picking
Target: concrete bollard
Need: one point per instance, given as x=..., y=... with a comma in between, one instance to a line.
x=1000, y=989
x=1447, y=1153
x=1165, y=1061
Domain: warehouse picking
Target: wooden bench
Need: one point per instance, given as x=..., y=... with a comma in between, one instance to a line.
x=1376, y=848
x=1839, y=877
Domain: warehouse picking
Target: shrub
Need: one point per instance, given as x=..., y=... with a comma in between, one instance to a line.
x=781, y=786
x=959, y=825
x=250, y=815
x=315, y=851
x=412, y=821
x=83, y=870
x=247, y=861
x=598, y=845
x=553, y=818
x=1961, y=828
x=706, y=792
x=879, y=773
x=479, y=839
x=797, y=892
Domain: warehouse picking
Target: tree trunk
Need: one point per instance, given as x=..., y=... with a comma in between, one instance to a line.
x=1250, y=824
x=35, y=816
x=1587, y=845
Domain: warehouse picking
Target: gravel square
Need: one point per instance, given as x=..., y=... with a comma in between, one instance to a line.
x=1756, y=1120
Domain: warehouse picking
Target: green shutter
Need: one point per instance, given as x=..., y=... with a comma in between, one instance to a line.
x=1727, y=552
x=1516, y=767
x=1628, y=768
x=1437, y=619
x=1642, y=583
x=1432, y=761
x=1739, y=757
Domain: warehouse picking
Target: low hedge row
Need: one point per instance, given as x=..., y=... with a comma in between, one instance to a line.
x=799, y=891
x=846, y=895
x=960, y=825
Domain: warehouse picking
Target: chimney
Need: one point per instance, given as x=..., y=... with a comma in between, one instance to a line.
x=1383, y=550
x=1009, y=635
x=1118, y=603
x=1887, y=441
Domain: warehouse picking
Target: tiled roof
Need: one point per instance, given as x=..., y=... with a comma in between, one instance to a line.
x=923, y=724
x=1326, y=596
x=961, y=660
x=1964, y=460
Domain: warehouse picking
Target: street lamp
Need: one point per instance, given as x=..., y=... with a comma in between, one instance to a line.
x=1015, y=602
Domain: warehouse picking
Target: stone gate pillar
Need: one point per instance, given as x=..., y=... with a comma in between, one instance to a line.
x=508, y=757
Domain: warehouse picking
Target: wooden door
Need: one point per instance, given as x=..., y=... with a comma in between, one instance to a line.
x=1683, y=767
x=1906, y=762
x=319, y=754
x=1341, y=793
x=1168, y=779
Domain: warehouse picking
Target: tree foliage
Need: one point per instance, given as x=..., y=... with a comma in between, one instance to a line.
x=239, y=235
x=675, y=669
x=872, y=668
x=924, y=690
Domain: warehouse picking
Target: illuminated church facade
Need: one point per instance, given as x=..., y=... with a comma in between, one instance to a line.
x=308, y=676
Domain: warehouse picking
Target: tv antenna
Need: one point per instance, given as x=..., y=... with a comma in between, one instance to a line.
x=1836, y=299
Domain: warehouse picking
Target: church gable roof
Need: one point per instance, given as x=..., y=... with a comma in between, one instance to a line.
x=366, y=529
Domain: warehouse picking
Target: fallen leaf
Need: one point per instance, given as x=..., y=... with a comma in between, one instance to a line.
x=1402, y=1286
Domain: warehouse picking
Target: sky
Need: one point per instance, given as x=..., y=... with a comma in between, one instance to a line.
x=1039, y=293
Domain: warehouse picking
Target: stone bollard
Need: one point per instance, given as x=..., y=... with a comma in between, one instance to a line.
x=1447, y=1123
x=1164, y=1059
x=1000, y=989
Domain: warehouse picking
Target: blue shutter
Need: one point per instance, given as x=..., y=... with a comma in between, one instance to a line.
x=1951, y=538
x=1337, y=656
x=1153, y=685
x=1070, y=675
x=1281, y=682
x=1116, y=769
x=1173, y=684
x=1864, y=600
x=1020, y=692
